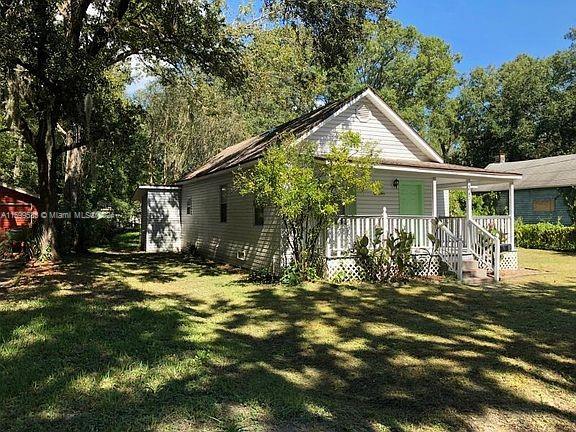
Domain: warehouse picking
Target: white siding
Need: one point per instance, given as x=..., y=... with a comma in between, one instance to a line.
x=162, y=221
x=369, y=204
x=390, y=142
x=237, y=241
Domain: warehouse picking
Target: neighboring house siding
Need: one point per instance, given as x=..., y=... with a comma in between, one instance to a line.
x=238, y=241
x=17, y=210
x=163, y=221
x=370, y=204
x=390, y=142
x=523, y=200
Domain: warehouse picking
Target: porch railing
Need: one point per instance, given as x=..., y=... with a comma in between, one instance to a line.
x=451, y=249
x=343, y=233
x=485, y=247
x=457, y=236
x=502, y=223
x=346, y=229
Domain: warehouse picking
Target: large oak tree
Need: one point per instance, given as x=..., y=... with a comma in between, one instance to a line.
x=54, y=53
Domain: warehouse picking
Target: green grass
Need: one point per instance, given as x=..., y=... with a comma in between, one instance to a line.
x=126, y=341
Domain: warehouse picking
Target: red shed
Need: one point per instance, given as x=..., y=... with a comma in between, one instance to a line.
x=18, y=208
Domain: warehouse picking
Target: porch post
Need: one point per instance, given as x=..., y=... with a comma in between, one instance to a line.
x=511, y=215
x=384, y=222
x=467, y=235
x=434, y=197
x=468, y=199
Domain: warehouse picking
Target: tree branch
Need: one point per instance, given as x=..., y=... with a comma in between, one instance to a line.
x=77, y=17
x=102, y=33
x=76, y=145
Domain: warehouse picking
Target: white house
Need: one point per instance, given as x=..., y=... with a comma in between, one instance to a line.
x=204, y=210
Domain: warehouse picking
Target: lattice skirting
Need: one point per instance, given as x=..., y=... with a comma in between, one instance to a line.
x=509, y=260
x=345, y=269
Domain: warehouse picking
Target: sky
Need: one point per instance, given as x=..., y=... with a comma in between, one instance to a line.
x=491, y=32
x=484, y=32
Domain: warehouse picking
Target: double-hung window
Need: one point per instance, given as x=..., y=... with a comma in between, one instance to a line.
x=224, y=203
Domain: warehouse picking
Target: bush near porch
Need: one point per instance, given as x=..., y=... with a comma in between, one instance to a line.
x=546, y=235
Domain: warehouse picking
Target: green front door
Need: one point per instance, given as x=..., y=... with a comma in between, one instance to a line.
x=411, y=195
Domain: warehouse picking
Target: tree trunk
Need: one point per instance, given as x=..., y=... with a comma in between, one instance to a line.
x=47, y=245
x=73, y=175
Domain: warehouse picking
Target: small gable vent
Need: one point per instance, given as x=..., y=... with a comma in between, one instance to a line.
x=363, y=113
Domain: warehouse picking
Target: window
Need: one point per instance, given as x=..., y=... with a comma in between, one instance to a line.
x=258, y=215
x=543, y=205
x=224, y=203
x=189, y=206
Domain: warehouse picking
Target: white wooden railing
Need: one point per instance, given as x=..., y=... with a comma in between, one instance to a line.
x=451, y=249
x=457, y=236
x=502, y=223
x=343, y=233
x=484, y=246
x=420, y=226
x=456, y=225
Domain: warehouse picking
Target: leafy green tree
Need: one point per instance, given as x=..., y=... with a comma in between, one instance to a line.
x=17, y=164
x=414, y=73
x=307, y=192
x=283, y=81
x=187, y=121
x=526, y=109
x=54, y=54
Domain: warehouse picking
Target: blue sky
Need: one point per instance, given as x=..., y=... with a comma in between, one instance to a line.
x=491, y=32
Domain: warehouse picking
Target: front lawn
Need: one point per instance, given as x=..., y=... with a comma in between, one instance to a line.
x=126, y=341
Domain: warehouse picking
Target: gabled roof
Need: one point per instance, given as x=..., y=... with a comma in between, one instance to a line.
x=301, y=127
x=555, y=171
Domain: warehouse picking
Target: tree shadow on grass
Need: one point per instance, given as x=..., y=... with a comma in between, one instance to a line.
x=413, y=355
x=102, y=355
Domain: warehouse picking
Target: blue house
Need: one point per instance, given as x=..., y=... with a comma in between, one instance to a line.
x=537, y=197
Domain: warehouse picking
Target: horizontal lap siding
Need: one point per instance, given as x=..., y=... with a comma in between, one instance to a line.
x=163, y=228
x=223, y=241
x=390, y=142
x=523, y=205
x=370, y=204
x=15, y=210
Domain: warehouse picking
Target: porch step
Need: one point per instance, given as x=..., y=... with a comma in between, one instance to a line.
x=476, y=280
x=472, y=274
x=469, y=265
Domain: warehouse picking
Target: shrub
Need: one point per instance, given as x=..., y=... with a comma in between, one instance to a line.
x=263, y=276
x=546, y=235
x=388, y=260
x=306, y=193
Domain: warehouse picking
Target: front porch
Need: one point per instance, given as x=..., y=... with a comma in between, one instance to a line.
x=466, y=243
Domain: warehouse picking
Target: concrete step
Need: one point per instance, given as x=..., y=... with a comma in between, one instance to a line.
x=476, y=280
x=468, y=265
x=475, y=273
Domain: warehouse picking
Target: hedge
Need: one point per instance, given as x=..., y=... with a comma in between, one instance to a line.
x=546, y=235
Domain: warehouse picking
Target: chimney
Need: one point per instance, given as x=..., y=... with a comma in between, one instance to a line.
x=501, y=157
